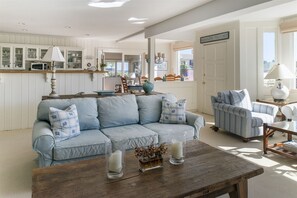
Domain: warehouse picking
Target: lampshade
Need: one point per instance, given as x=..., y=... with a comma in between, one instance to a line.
x=53, y=54
x=279, y=71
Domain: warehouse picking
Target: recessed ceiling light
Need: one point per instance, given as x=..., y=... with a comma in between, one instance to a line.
x=107, y=3
x=138, y=22
x=21, y=23
x=137, y=19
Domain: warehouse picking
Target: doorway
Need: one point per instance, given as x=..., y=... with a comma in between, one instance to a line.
x=214, y=72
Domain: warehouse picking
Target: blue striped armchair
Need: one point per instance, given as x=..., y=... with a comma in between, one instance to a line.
x=234, y=112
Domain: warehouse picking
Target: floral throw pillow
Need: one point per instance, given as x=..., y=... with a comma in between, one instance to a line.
x=173, y=112
x=64, y=123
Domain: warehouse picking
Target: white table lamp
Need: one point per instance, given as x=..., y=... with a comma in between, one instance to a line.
x=53, y=55
x=279, y=72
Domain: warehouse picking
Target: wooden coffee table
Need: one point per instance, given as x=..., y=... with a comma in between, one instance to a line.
x=286, y=127
x=206, y=171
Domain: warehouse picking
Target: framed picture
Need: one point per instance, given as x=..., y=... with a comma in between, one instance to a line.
x=161, y=67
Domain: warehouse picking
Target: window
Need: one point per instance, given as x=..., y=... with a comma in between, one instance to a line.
x=295, y=52
x=185, y=64
x=114, y=63
x=269, y=56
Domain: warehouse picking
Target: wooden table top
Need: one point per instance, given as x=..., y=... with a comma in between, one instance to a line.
x=205, y=169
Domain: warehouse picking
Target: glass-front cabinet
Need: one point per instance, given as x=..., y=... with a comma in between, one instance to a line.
x=19, y=59
x=61, y=65
x=32, y=53
x=6, y=56
x=42, y=52
x=74, y=59
x=12, y=57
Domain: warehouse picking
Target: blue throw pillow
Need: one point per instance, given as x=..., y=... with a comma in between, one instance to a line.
x=64, y=123
x=173, y=112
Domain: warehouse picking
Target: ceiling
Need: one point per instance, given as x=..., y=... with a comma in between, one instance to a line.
x=76, y=19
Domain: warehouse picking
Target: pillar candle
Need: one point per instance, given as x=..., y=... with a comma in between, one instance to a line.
x=177, y=150
x=115, y=162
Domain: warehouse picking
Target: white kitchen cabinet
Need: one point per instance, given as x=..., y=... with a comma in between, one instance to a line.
x=6, y=56
x=32, y=53
x=12, y=57
x=74, y=59
x=18, y=60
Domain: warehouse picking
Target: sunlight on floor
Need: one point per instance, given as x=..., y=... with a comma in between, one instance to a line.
x=226, y=148
x=249, y=150
x=260, y=160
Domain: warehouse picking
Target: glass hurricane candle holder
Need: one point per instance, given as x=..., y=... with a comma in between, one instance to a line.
x=114, y=161
x=177, y=148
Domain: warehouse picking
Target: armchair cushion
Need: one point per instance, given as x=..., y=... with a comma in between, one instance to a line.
x=259, y=118
x=241, y=98
x=223, y=97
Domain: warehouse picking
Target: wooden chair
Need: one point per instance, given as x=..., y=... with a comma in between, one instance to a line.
x=170, y=77
x=158, y=79
x=177, y=78
x=124, y=84
x=143, y=79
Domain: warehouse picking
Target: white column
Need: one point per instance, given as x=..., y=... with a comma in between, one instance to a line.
x=151, y=56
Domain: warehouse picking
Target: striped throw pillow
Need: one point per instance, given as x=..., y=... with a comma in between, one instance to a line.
x=241, y=98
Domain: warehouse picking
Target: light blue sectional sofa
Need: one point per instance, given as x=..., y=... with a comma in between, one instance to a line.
x=120, y=120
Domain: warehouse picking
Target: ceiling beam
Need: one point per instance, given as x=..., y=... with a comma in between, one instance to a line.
x=208, y=11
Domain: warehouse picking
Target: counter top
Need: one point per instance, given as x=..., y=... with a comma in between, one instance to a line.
x=10, y=71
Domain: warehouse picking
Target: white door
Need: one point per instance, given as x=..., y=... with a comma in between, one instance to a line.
x=215, y=69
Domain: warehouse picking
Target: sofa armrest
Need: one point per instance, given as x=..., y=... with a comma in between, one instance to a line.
x=238, y=111
x=265, y=108
x=288, y=111
x=195, y=120
x=43, y=140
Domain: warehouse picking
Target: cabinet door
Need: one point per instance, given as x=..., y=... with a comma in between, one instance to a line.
x=42, y=53
x=32, y=53
x=6, y=56
x=19, y=59
x=74, y=59
x=60, y=65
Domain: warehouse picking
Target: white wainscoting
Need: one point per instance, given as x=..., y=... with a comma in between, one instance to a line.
x=20, y=94
x=181, y=89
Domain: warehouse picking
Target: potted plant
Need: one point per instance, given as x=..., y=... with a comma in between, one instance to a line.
x=102, y=65
x=184, y=70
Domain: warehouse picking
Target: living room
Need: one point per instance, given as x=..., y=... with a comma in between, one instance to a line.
x=246, y=23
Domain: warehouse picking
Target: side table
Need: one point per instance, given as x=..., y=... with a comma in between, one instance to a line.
x=288, y=128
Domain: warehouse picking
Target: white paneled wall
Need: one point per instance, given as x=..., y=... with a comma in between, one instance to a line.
x=20, y=94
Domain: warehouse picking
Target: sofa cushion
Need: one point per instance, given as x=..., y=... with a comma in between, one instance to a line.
x=86, y=109
x=117, y=111
x=150, y=107
x=173, y=112
x=130, y=136
x=164, y=130
x=259, y=118
x=88, y=143
x=64, y=123
x=241, y=98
